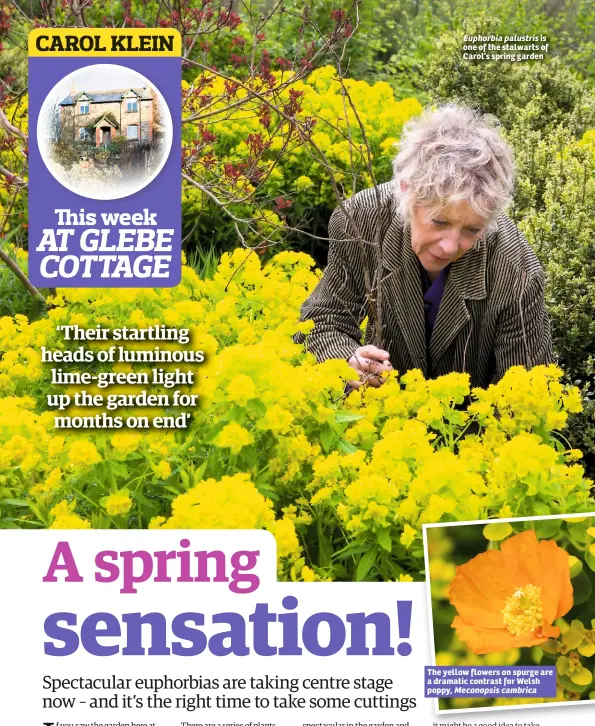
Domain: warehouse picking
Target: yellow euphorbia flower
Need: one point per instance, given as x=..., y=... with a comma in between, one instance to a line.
x=118, y=503
x=66, y=518
x=83, y=454
x=234, y=437
x=162, y=470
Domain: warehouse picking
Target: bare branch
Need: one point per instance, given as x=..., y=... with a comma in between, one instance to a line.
x=14, y=268
x=12, y=177
x=12, y=129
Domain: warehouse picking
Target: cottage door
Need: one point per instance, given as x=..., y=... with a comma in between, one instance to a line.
x=106, y=136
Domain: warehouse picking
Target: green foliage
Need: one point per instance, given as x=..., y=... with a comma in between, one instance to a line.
x=397, y=38
x=534, y=96
x=556, y=198
x=13, y=63
x=204, y=261
x=349, y=480
x=119, y=141
x=101, y=155
x=15, y=299
x=269, y=174
x=416, y=46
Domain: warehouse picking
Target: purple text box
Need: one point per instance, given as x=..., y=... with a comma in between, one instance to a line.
x=158, y=203
x=490, y=681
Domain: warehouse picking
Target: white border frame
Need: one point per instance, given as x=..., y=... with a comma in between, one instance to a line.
x=483, y=709
x=110, y=193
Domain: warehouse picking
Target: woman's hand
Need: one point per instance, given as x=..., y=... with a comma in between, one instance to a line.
x=370, y=363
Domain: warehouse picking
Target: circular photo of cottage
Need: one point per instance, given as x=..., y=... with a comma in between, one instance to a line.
x=104, y=131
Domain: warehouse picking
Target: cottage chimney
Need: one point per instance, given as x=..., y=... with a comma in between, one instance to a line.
x=72, y=88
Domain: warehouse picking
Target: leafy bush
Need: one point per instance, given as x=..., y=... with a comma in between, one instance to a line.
x=295, y=174
x=101, y=155
x=398, y=37
x=344, y=483
x=534, y=96
x=118, y=143
x=560, y=226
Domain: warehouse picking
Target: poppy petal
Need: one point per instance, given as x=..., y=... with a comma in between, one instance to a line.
x=491, y=640
x=481, y=587
x=551, y=631
x=557, y=591
x=524, y=548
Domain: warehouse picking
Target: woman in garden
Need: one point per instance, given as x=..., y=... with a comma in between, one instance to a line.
x=460, y=288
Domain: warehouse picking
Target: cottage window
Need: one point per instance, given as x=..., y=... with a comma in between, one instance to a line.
x=132, y=132
x=131, y=106
x=84, y=134
x=84, y=107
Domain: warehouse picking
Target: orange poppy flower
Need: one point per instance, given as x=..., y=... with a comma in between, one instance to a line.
x=510, y=598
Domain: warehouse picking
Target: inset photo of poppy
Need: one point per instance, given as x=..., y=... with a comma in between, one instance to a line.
x=515, y=592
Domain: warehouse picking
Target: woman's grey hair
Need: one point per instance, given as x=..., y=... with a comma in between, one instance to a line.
x=452, y=154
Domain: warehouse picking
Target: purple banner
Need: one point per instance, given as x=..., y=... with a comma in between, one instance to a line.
x=490, y=681
x=104, y=171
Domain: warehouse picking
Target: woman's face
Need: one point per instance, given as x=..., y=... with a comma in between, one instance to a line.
x=439, y=238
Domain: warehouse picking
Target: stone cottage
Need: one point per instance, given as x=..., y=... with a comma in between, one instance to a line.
x=99, y=116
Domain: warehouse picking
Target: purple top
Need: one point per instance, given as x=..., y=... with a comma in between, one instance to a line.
x=433, y=292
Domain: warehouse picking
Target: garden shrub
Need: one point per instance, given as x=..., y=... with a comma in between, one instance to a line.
x=394, y=40
x=399, y=56
x=543, y=93
x=65, y=154
x=561, y=229
x=290, y=169
x=14, y=198
x=343, y=482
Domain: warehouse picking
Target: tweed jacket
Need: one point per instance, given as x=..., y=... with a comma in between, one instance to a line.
x=492, y=313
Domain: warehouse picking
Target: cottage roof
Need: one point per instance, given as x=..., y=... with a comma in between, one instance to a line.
x=116, y=94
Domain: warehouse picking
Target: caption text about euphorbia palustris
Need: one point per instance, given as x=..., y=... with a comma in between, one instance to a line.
x=164, y=380
x=511, y=48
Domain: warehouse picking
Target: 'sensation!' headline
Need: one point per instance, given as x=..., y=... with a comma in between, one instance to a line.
x=264, y=632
